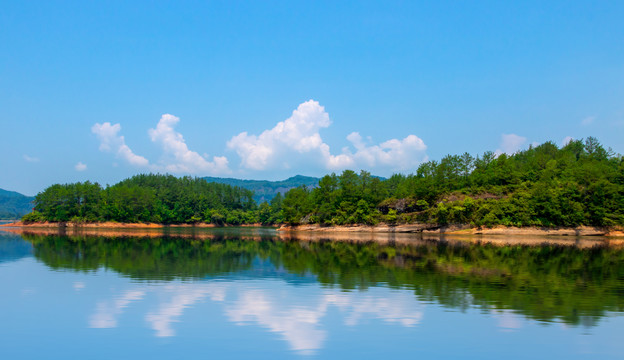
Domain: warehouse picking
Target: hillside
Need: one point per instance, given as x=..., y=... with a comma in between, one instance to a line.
x=265, y=190
x=155, y=198
x=579, y=184
x=14, y=205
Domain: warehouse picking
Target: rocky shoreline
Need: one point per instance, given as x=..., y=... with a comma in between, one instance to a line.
x=461, y=230
x=423, y=228
x=115, y=225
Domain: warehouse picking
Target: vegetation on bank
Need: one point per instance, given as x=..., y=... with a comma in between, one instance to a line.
x=163, y=199
x=581, y=183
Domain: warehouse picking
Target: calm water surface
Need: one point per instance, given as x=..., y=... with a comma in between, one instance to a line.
x=239, y=293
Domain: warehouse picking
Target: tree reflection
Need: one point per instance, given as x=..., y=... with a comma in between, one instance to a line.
x=545, y=282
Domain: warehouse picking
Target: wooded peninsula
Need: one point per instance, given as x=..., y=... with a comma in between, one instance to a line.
x=581, y=183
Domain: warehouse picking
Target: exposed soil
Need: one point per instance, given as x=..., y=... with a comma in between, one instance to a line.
x=457, y=229
x=114, y=225
x=460, y=229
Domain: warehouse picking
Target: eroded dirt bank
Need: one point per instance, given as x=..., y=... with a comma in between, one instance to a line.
x=462, y=230
x=380, y=228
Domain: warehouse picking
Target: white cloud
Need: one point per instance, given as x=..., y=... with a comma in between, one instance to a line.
x=30, y=159
x=177, y=157
x=184, y=160
x=80, y=166
x=293, y=143
x=588, y=120
x=394, y=154
x=297, y=140
x=111, y=141
x=566, y=140
x=299, y=134
x=510, y=143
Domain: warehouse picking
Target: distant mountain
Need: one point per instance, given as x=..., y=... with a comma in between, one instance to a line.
x=14, y=205
x=265, y=190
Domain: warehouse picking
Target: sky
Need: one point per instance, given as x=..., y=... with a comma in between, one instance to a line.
x=102, y=91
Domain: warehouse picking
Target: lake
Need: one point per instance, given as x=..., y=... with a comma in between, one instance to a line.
x=255, y=293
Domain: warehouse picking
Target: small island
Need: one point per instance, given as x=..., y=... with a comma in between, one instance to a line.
x=577, y=189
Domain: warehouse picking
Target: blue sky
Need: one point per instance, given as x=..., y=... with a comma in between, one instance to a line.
x=267, y=90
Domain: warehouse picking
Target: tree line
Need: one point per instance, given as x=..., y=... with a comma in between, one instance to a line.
x=163, y=199
x=581, y=183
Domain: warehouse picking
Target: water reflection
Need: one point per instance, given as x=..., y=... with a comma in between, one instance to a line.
x=13, y=248
x=292, y=312
x=108, y=311
x=293, y=286
x=180, y=297
x=508, y=321
x=543, y=282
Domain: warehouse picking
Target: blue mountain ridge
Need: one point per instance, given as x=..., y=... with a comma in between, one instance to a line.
x=14, y=205
x=265, y=190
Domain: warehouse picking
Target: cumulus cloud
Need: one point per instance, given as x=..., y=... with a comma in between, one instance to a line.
x=177, y=157
x=30, y=158
x=297, y=140
x=294, y=142
x=184, y=160
x=111, y=141
x=566, y=140
x=396, y=154
x=299, y=133
x=588, y=120
x=80, y=166
x=510, y=143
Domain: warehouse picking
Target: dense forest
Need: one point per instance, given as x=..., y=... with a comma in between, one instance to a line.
x=153, y=198
x=581, y=183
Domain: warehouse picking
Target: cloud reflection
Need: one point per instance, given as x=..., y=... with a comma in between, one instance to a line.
x=184, y=296
x=400, y=309
x=507, y=320
x=295, y=313
x=298, y=324
x=107, y=311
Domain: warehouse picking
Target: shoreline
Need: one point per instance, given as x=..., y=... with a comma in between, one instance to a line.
x=114, y=225
x=457, y=229
x=256, y=234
